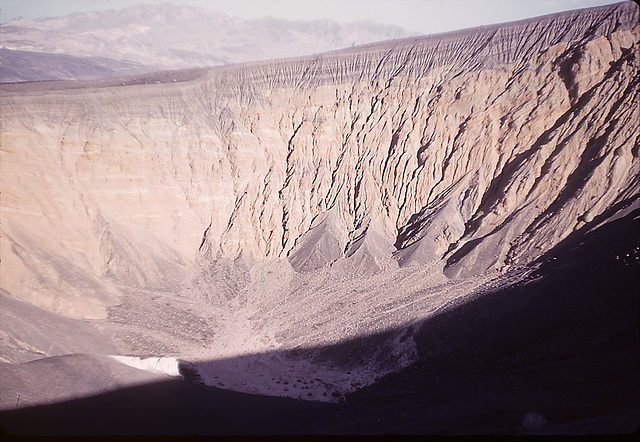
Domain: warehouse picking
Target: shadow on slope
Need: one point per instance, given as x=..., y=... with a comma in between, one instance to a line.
x=165, y=408
x=563, y=344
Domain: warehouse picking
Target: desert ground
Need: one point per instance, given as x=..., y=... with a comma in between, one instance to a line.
x=431, y=236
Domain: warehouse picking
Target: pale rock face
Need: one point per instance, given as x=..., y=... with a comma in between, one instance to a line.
x=297, y=158
x=405, y=170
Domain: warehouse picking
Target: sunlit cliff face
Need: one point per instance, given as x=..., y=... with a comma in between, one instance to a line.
x=298, y=203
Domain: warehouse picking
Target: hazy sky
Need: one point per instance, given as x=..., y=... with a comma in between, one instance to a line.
x=423, y=16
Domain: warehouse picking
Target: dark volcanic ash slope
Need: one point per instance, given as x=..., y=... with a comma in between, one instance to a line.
x=296, y=204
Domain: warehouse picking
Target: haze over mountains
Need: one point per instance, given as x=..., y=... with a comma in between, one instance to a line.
x=440, y=233
x=156, y=37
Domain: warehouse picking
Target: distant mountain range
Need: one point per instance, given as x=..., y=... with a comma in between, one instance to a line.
x=147, y=38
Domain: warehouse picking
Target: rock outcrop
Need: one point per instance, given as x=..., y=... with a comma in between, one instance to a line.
x=459, y=156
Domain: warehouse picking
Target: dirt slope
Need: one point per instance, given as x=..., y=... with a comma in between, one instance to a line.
x=289, y=221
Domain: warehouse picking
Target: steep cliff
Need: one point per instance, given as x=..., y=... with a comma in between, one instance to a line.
x=314, y=199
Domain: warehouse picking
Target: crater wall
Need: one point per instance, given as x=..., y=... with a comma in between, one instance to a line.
x=481, y=149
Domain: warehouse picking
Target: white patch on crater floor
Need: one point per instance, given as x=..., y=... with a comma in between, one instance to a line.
x=166, y=366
